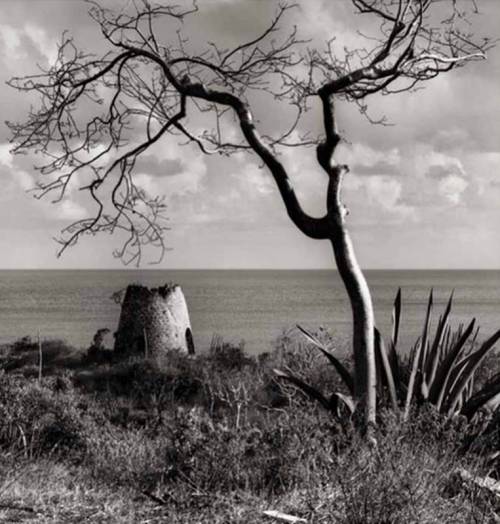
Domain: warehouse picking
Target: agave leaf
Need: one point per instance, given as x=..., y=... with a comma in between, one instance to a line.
x=443, y=373
x=380, y=374
x=474, y=337
x=312, y=338
x=424, y=389
x=393, y=354
x=425, y=332
x=446, y=339
x=450, y=382
x=488, y=393
x=346, y=400
x=420, y=379
x=341, y=369
x=413, y=375
x=396, y=319
x=493, y=403
x=306, y=388
x=386, y=367
x=470, y=388
x=472, y=364
x=437, y=348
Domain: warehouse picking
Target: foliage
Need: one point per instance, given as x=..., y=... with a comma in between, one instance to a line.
x=440, y=370
x=39, y=419
x=227, y=355
x=25, y=352
x=202, y=441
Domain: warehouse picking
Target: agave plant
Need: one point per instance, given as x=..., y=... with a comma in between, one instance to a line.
x=440, y=370
x=336, y=400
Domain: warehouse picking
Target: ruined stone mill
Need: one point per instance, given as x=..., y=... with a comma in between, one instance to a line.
x=153, y=322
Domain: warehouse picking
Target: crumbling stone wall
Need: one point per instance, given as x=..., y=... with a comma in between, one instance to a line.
x=154, y=322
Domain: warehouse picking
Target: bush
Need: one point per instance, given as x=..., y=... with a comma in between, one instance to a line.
x=23, y=356
x=209, y=431
x=37, y=419
x=225, y=355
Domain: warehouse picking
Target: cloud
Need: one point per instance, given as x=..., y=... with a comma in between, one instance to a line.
x=20, y=42
x=67, y=210
x=237, y=193
x=378, y=168
x=152, y=166
x=438, y=165
x=452, y=188
x=451, y=140
x=171, y=170
x=384, y=191
x=442, y=171
x=46, y=45
x=11, y=39
x=5, y=156
x=365, y=160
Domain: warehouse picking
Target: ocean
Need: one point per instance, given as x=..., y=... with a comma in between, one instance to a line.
x=253, y=306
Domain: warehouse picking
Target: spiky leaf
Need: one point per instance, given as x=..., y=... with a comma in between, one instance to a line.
x=436, y=350
x=337, y=400
x=472, y=363
x=309, y=390
x=393, y=354
x=411, y=383
x=344, y=373
x=444, y=371
x=388, y=378
x=426, y=329
x=396, y=319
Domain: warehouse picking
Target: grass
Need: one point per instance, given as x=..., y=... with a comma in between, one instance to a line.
x=217, y=439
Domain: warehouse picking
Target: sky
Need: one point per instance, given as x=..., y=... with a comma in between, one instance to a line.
x=422, y=193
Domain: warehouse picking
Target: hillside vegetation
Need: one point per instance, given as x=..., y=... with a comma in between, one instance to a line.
x=218, y=438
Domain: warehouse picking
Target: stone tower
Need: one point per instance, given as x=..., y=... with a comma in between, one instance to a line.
x=154, y=322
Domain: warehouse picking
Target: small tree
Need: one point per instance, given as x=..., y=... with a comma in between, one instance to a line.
x=88, y=105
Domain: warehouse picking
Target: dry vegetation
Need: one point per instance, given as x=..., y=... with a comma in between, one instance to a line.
x=216, y=439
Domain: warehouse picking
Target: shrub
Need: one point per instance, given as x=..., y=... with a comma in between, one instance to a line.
x=227, y=356
x=199, y=433
x=24, y=353
x=38, y=420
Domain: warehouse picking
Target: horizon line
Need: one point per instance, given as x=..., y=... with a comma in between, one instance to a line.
x=243, y=269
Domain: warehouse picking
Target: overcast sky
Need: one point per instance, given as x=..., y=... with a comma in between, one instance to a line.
x=423, y=193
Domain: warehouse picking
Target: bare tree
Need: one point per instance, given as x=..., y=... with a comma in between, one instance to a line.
x=152, y=86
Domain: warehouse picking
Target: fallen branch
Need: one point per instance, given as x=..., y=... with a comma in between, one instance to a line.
x=488, y=483
x=283, y=517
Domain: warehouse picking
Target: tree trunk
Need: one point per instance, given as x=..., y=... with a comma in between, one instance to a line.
x=363, y=345
x=330, y=227
x=362, y=323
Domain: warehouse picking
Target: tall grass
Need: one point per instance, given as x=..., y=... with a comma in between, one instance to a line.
x=218, y=438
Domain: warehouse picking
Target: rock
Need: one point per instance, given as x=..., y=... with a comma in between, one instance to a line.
x=154, y=322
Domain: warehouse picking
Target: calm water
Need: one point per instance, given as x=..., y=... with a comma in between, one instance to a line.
x=252, y=305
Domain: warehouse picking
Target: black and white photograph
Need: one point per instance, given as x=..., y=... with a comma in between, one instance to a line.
x=250, y=261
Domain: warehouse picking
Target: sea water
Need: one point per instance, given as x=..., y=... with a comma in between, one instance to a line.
x=253, y=306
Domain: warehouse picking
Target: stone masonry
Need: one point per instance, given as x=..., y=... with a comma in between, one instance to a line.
x=153, y=322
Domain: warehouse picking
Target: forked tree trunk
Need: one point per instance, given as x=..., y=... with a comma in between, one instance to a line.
x=330, y=227
x=363, y=325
